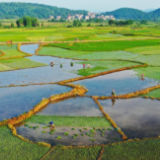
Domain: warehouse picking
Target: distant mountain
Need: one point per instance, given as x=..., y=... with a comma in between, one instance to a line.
x=155, y=15
x=16, y=10
x=127, y=13
x=149, y=10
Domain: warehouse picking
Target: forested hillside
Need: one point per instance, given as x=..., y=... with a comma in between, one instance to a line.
x=16, y=10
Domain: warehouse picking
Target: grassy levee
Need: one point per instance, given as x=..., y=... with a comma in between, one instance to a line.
x=74, y=154
x=153, y=94
x=75, y=121
x=11, y=147
x=4, y=67
x=108, y=45
x=138, y=150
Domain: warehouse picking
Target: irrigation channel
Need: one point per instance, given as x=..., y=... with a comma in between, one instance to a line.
x=136, y=117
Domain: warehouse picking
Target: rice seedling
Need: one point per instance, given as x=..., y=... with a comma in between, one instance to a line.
x=25, y=124
x=91, y=135
x=92, y=131
x=51, y=132
x=116, y=139
x=87, y=134
x=85, y=128
x=59, y=137
x=30, y=126
x=82, y=135
x=66, y=133
x=109, y=129
x=102, y=135
x=80, y=130
x=73, y=129
x=35, y=127
x=76, y=134
x=45, y=127
x=44, y=131
x=92, y=139
x=74, y=137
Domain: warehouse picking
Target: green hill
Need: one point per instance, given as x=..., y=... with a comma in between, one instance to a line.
x=16, y=10
x=128, y=13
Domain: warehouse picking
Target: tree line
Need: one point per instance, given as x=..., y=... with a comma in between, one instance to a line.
x=27, y=22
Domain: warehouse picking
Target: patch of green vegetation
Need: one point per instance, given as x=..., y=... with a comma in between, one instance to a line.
x=76, y=121
x=12, y=146
x=44, y=131
x=66, y=133
x=21, y=63
x=11, y=51
x=108, y=55
x=59, y=137
x=101, y=66
x=145, y=50
x=3, y=67
x=74, y=154
x=50, y=50
x=155, y=93
x=146, y=149
x=149, y=72
x=109, y=45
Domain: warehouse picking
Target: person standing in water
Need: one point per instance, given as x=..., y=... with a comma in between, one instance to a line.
x=84, y=66
x=113, y=92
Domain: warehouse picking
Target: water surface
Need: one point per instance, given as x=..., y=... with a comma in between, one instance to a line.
x=17, y=100
x=79, y=106
x=136, y=117
x=123, y=82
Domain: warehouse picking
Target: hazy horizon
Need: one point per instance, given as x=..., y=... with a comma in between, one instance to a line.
x=96, y=6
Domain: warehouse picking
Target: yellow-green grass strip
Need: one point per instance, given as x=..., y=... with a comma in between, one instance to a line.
x=145, y=50
x=75, y=121
x=21, y=63
x=4, y=67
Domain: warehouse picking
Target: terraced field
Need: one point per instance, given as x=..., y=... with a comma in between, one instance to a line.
x=91, y=122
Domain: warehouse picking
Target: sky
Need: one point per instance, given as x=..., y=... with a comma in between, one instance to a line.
x=96, y=5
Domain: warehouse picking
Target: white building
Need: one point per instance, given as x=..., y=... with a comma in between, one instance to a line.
x=58, y=17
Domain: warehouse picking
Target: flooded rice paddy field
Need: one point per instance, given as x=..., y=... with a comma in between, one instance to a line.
x=123, y=82
x=137, y=117
x=82, y=139
x=79, y=106
x=17, y=100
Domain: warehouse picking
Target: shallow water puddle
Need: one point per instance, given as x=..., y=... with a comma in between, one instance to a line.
x=137, y=117
x=123, y=82
x=36, y=135
x=79, y=106
x=17, y=100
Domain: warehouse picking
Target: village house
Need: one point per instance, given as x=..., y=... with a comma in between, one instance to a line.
x=58, y=17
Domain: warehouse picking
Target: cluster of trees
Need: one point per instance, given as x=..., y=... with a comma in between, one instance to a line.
x=120, y=23
x=77, y=23
x=27, y=22
x=95, y=20
x=54, y=20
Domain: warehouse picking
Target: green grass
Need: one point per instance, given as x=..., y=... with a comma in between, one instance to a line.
x=70, y=121
x=154, y=93
x=146, y=50
x=55, y=51
x=74, y=154
x=21, y=63
x=3, y=67
x=140, y=150
x=14, y=148
x=101, y=66
x=11, y=51
x=149, y=72
x=109, y=45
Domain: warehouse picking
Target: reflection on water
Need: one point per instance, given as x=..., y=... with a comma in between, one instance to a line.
x=136, y=117
x=16, y=100
x=123, y=82
x=79, y=106
x=36, y=135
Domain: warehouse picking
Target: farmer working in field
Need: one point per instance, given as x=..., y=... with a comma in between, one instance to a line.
x=113, y=92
